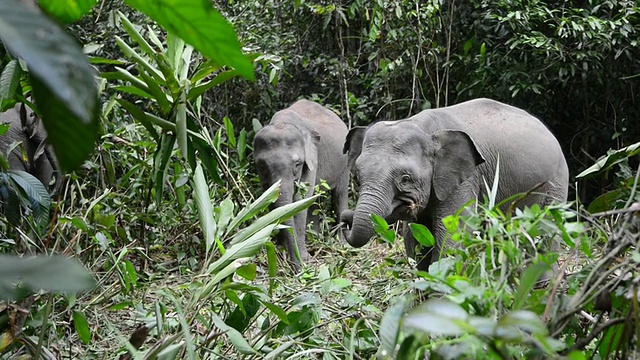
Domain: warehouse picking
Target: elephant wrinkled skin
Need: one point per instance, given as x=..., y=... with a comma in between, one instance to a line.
x=302, y=143
x=33, y=154
x=426, y=167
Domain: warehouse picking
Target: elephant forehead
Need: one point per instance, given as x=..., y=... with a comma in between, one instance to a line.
x=392, y=137
x=272, y=137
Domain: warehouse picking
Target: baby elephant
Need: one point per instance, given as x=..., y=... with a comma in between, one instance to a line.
x=33, y=154
x=302, y=143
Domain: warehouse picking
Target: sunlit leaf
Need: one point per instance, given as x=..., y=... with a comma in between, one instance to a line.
x=200, y=25
x=67, y=11
x=422, y=234
x=81, y=326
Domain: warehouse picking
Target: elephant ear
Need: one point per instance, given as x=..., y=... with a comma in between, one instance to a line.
x=353, y=144
x=455, y=161
x=311, y=150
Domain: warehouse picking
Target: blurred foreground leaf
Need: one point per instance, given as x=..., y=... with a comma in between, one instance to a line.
x=50, y=273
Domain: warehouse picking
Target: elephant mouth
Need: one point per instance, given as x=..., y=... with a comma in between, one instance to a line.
x=404, y=208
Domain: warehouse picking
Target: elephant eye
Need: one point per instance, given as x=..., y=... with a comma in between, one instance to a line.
x=406, y=178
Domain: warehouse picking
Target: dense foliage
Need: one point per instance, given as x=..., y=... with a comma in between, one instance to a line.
x=166, y=214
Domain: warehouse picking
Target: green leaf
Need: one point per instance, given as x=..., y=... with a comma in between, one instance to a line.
x=527, y=282
x=50, y=273
x=225, y=212
x=247, y=271
x=246, y=248
x=65, y=90
x=135, y=35
x=82, y=327
x=390, y=328
x=181, y=128
x=34, y=191
x=228, y=126
x=277, y=215
x=199, y=24
x=608, y=161
x=73, y=138
x=438, y=317
x=67, y=11
x=266, y=199
x=516, y=322
x=382, y=229
x=272, y=260
x=10, y=79
x=205, y=209
x=422, y=234
x=161, y=163
x=234, y=336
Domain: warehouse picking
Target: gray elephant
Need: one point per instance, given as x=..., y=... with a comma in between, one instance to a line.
x=302, y=143
x=428, y=166
x=32, y=154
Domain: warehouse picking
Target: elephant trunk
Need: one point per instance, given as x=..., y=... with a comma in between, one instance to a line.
x=285, y=236
x=361, y=226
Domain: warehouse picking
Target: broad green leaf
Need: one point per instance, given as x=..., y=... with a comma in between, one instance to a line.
x=390, y=327
x=266, y=199
x=228, y=126
x=277, y=215
x=160, y=95
x=63, y=86
x=438, y=317
x=225, y=212
x=205, y=209
x=35, y=192
x=247, y=271
x=382, y=228
x=247, y=248
x=272, y=264
x=234, y=336
x=228, y=270
x=135, y=35
x=67, y=11
x=277, y=352
x=72, y=138
x=82, y=327
x=161, y=163
x=181, y=127
x=10, y=79
x=527, y=282
x=277, y=311
x=50, y=273
x=130, y=53
x=199, y=24
x=521, y=320
x=422, y=234
x=609, y=160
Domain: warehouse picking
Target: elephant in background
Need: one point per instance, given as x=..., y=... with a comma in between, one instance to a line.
x=32, y=154
x=426, y=167
x=302, y=143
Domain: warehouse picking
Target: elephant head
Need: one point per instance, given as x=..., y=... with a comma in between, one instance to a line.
x=403, y=171
x=287, y=152
x=284, y=152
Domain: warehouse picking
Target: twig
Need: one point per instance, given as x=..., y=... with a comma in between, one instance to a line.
x=581, y=343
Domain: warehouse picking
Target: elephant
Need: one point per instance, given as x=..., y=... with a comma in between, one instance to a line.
x=32, y=154
x=302, y=143
x=426, y=167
